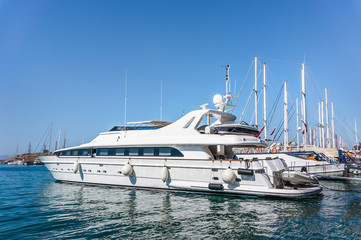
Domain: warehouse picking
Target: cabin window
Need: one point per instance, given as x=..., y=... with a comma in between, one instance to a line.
x=189, y=122
x=148, y=151
x=119, y=152
x=84, y=152
x=133, y=151
x=111, y=151
x=102, y=152
x=176, y=153
x=165, y=151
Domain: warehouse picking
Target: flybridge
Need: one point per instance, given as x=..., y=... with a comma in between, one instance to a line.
x=145, y=125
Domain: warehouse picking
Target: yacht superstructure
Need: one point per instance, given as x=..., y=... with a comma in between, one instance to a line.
x=194, y=153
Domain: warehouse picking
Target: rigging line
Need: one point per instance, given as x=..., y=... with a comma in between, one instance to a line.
x=280, y=60
x=247, y=104
x=254, y=113
x=308, y=73
x=345, y=128
x=293, y=68
x=280, y=125
x=244, y=81
x=346, y=134
x=279, y=136
x=273, y=109
x=45, y=133
x=349, y=125
x=247, y=107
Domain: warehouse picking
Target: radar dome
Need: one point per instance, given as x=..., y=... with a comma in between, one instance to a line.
x=217, y=99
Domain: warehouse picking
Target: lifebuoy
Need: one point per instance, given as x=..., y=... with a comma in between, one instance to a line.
x=289, y=149
x=259, y=150
x=246, y=150
x=274, y=150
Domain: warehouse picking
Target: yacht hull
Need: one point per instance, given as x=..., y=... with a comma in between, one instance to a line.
x=190, y=175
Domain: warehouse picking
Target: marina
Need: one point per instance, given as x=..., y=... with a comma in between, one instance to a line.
x=180, y=120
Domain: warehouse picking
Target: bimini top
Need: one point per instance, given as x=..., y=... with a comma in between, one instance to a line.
x=145, y=125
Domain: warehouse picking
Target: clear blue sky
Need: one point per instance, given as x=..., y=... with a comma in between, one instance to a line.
x=64, y=61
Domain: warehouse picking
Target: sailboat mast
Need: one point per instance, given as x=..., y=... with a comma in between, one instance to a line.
x=322, y=126
x=356, y=134
x=333, y=127
x=64, y=139
x=285, y=114
x=59, y=136
x=297, y=120
x=256, y=91
x=264, y=102
x=125, y=103
x=304, y=122
x=51, y=129
x=161, y=100
x=328, y=140
x=319, y=125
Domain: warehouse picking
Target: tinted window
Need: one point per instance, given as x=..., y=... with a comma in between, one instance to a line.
x=119, y=152
x=148, y=152
x=102, y=152
x=165, y=151
x=133, y=151
x=84, y=152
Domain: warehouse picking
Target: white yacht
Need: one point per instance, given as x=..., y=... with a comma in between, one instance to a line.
x=193, y=154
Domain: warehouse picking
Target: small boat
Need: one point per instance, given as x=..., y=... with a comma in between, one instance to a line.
x=297, y=178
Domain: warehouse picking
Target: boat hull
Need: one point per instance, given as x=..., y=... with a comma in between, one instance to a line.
x=190, y=175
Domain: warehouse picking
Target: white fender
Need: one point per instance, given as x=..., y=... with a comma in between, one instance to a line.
x=127, y=169
x=165, y=174
x=76, y=167
x=228, y=176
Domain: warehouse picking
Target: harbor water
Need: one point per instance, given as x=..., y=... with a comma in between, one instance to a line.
x=34, y=206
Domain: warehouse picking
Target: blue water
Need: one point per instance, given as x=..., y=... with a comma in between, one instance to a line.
x=34, y=206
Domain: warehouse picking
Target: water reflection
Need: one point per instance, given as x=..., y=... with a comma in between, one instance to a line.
x=116, y=212
x=47, y=209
